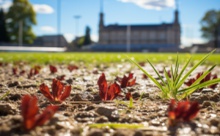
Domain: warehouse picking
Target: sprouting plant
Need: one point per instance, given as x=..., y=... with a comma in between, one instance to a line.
x=107, y=92
x=34, y=71
x=171, y=85
x=59, y=91
x=53, y=69
x=4, y=95
x=72, y=67
x=127, y=80
x=29, y=112
x=182, y=111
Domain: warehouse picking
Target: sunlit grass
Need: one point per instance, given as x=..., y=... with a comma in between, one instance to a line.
x=44, y=58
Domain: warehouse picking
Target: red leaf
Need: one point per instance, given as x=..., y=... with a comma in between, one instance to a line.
x=62, y=77
x=182, y=111
x=29, y=112
x=59, y=91
x=128, y=96
x=190, y=81
x=128, y=81
x=107, y=92
x=53, y=69
x=46, y=115
x=14, y=70
x=72, y=67
x=46, y=92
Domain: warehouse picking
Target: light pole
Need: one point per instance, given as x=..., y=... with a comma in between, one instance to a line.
x=58, y=22
x=77, y=17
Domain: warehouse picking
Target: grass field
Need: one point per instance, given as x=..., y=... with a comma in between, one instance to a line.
x=44, y=58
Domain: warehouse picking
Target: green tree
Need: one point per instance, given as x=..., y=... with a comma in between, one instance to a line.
x=3, y=31
x=21, y=16
x=87, y=39
x=211, y=26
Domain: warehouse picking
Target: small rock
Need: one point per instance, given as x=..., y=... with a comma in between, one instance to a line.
x=206, y=104
x=13, y=83
x=215, y=122
x=14, y=97
x=110, y=112
x=138, y=133
x=215, y=97
x=101, y=119
x=207, y=90
x=6, y=108
x=95, y=132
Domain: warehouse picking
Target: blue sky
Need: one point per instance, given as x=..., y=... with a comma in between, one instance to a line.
x=121, y=12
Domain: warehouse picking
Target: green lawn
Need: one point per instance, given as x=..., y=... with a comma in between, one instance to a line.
x=44, y=58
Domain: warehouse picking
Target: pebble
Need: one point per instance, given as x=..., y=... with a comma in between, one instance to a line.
x=110, y=112
x=13, y=83
x=101, y=119
x=6, y=108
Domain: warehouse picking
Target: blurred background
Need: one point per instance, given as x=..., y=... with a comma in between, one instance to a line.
x=110, y=25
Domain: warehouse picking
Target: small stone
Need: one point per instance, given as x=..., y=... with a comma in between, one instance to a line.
x=6, y=108
x=110, y=112
x=13, y=83
x=138, y=133
x=101, y=119
x=215, y=97
x=206, y=104
x=207, y=90
x=215, y=122
x=95, y=133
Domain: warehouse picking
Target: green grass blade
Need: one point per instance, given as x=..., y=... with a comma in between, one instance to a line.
x=199, y=86
x=4, y=95
x=156, y=72
x=192, y=69
x=147, y=74
x=183, y=69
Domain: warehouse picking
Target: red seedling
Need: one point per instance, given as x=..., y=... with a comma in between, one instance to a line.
x=72, y=67
x=183, y=111
x=128, y=96
x=107, y=92
x=127, y=81
x=207, y=78
x=34, y=71
x=29, y=112
x=61, y=77
x=59, y=91
x=15, y=70
x=53, y=69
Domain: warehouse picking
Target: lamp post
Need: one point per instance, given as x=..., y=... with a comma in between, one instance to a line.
x=77, y=17
x=58, y=22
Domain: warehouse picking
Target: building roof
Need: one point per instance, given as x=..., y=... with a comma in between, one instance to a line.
x=139, y=27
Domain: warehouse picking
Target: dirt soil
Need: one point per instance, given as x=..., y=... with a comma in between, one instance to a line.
x=84, y=106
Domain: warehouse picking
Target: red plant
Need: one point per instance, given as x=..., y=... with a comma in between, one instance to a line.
x=15, y=70
x=34, y=71
x=59, y=91
x=53, y=69
x=61, y=77
x=127, y=81
x=72, y=67
x=107, y=92
x=29, y=112
x=183, y=111
x=206, y=78
x=128, y=96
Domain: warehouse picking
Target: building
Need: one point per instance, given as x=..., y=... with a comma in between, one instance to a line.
x=146, y=37
x=51, y=41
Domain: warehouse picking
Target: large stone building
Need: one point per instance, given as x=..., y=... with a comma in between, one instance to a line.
x=146, y=37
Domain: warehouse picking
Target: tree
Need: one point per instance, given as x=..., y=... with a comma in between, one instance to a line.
x=87, y=39
x=211, y=26
x=21, y=16
x=3, y=32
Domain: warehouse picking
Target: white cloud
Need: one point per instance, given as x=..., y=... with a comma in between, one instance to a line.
x=48, y=29
x=69, y=37
x=5, y=5
x=43, y=8
x=152, y=4
x=188, y=41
